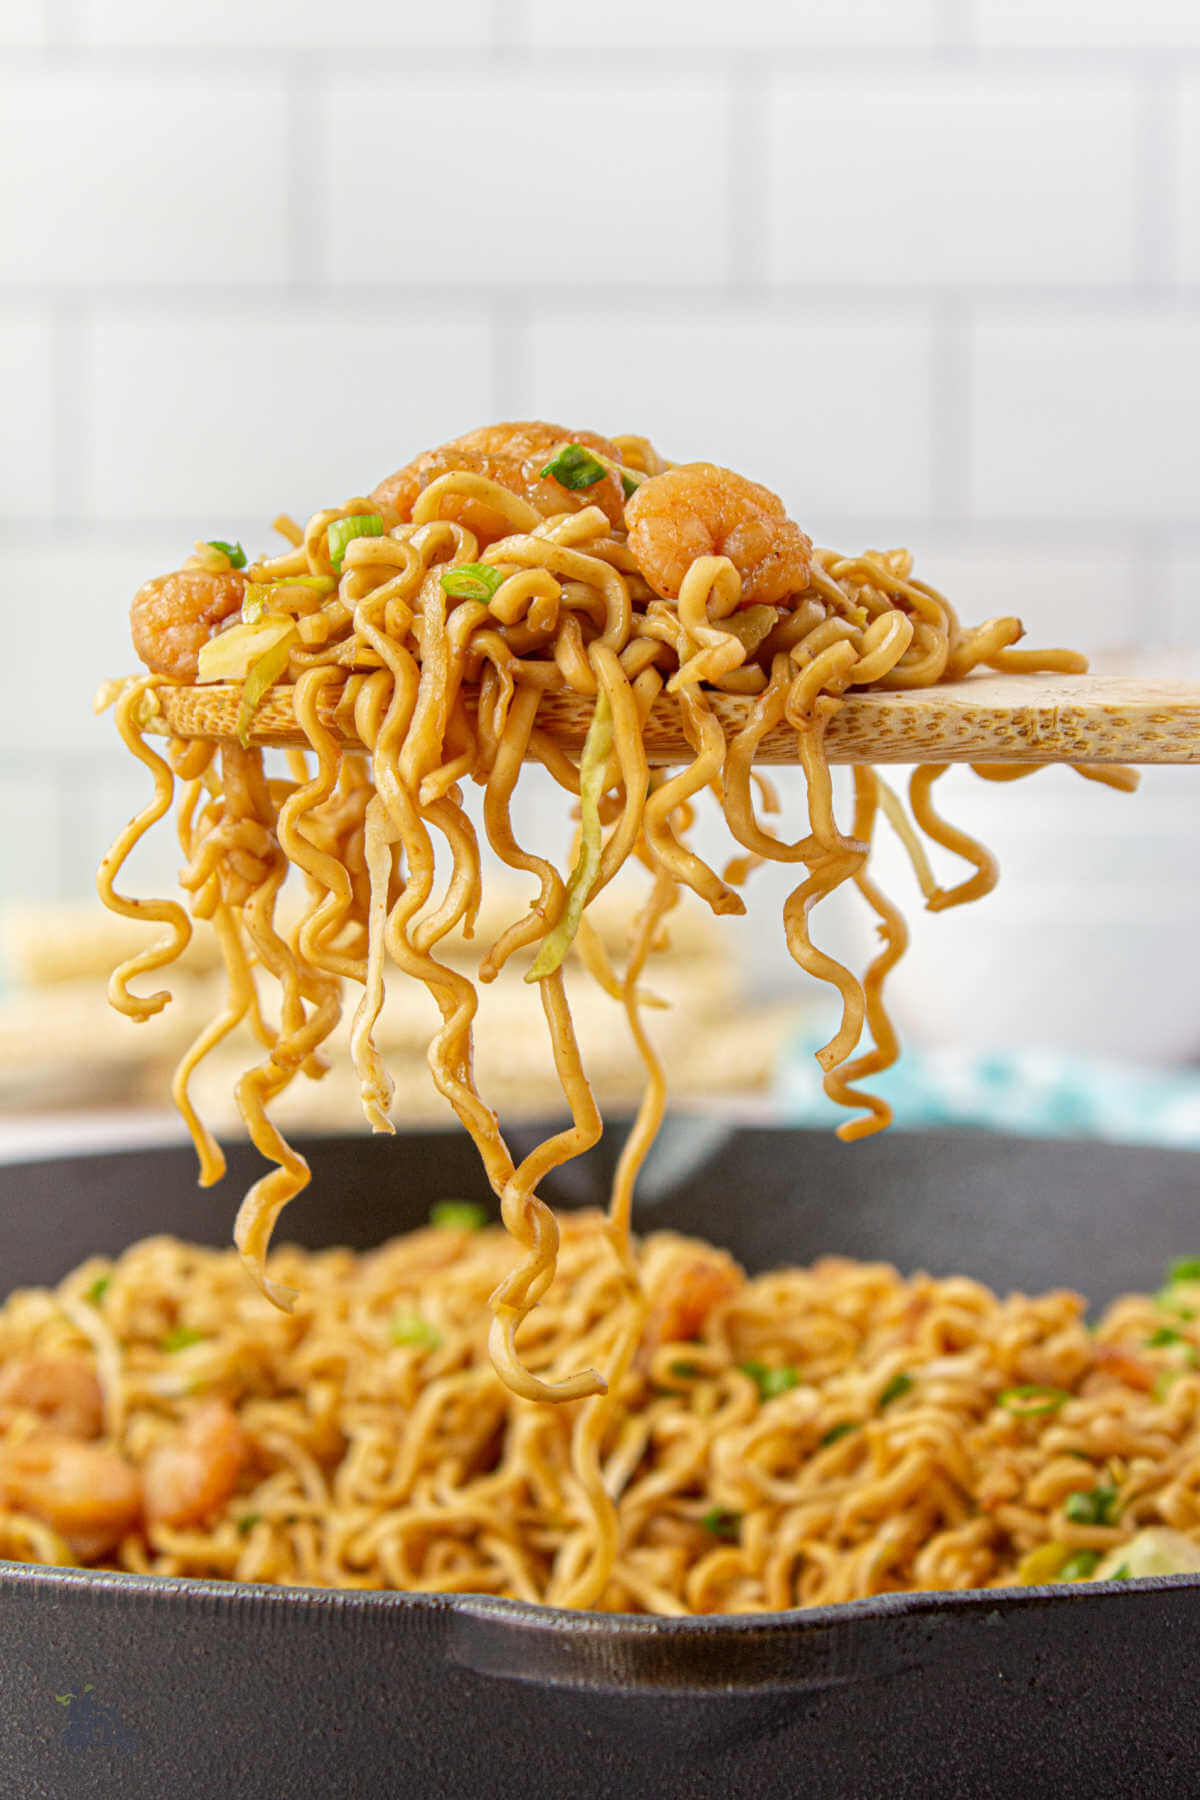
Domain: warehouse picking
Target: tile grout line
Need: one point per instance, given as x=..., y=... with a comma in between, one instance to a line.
x=954, y=33
x=711, y=297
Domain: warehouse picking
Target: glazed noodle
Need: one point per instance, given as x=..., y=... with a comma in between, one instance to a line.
x=518, y=562
x=808, y=1435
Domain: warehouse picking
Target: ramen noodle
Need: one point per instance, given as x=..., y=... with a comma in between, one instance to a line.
x=802, y=1436
x=416, y=636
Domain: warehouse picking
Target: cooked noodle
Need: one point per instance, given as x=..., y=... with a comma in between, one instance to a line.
x=431, y=620
x=804, y=1436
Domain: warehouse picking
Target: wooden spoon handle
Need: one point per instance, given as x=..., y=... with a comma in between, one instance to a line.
x=987, y=718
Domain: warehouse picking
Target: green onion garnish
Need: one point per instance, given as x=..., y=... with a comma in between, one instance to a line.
x=182, y=1337
x=247, y=1522
x=411, y=1328
x=471, y=581
x=1079, y=1566
x=1164, y=1381
x=1184, y=1268
x=1167, y=1337
x=722, y=1523
x=686, y=1371
x=98, y=1289
x=235, y=553
x=1095, y=1508
x=769, y=1381
x=896, y=1388
x=1121, y=1574
x=1167, y=1300
x=593, y=766
x=575, y=468
x=459, y=1215
x=1031, y=1399
x=344, y=531
x=838, y=1431
x=630, y=484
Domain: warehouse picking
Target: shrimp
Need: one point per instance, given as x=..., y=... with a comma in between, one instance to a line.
x=513, y=456
x=698, y=510
x=61, y=1390
x=193, y=1474
x=172, y=617
x=687, y=1295
x=88, y=1494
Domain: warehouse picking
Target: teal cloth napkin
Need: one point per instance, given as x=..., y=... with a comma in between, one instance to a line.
x=1036, y=1093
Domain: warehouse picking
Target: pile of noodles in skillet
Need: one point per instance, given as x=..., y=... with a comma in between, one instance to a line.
x=804, y=1436
x=432, y=625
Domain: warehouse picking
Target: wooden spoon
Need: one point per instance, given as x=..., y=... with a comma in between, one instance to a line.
x=986, y=718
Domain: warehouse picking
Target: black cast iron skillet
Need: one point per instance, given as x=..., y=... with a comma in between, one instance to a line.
x=119, y=1685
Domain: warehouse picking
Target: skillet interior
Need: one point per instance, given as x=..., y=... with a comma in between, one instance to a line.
x=209, y=1688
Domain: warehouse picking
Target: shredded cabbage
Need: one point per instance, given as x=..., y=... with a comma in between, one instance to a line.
x=592, y=767
x=262, y=673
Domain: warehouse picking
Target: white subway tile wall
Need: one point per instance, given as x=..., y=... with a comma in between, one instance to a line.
x=1000, y=180
x=932, y=267
x=480, y=146
x=147, y=175
x=1090, y=24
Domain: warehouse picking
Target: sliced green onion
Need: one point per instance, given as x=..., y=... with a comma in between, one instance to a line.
x=722, y=1523
x=630, y=483
x=686, y=1371
x=459, y=1215
x=98, y=1289
x=838, y=1431
x=1121, y=1574
x=1031, y=1399
x=247, y=1522
x=262, y=675
x=1167, y=1337
x=343, y=532
x=770, y=1381
x=235, y=553
x=1167, y=1300
x=1184, y=1268
x=1079, y=1566
x=182, y=1337
x=1094, y=1508
x=471, y=581
x=896, y=1388
x=575, y=468
x=593, y=765
x=1164, y=1381
x=411, y=1328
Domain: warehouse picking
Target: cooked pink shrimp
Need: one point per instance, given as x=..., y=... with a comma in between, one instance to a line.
x=89, y=1495
x=699, y=509
x=172, y=617
x=683, y=1301
x=61, y=1390
x=512, y=455
x=193, y=1474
